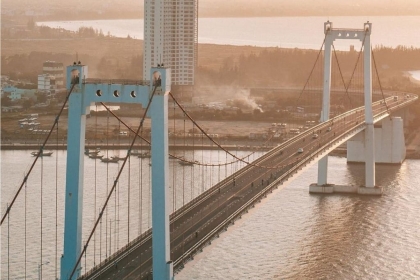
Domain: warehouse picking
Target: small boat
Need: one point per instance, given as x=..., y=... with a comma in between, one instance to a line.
x=117, y=158
x=145, y=155
x=89, y=152
x=44, y=154
x=94, y=156
x=107, y=160
x=187, y=163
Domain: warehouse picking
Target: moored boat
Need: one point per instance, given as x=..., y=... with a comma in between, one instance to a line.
x=145, y=155
x=94, y=152
x=117, y=158
x=107, y=160
x=43, y=154
x=94, y=156
x=187, y=163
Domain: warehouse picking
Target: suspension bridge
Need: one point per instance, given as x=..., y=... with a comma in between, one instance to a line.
x=145, y=214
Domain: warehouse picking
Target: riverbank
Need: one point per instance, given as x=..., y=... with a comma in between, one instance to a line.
x=91, y=50
x=414, y=76
x=255, y=146
x=230, y=147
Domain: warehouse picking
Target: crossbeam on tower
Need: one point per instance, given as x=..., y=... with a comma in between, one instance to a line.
x=362, y=35
x=85, y=93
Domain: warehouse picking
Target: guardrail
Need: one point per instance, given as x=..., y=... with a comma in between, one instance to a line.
x=133, y=245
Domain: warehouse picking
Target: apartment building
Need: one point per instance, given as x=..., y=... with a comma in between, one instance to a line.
x=170, y=37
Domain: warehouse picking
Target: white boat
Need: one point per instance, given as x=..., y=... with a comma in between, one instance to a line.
x=187, y=163
x=145, y=155
x=118, y=158
x=44, y=154
x=94, y=156
x=94, y=152
x=107, y=160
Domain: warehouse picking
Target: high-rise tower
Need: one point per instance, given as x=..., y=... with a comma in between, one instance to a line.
x=170, y=37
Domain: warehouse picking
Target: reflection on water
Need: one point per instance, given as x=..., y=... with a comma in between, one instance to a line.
x=295, y=235
x=289, y=235
x=415, y=75
x=130, y=199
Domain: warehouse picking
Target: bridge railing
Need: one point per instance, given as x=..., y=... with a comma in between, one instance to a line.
x=122, y=252
x=297, y=166
x=118, y=255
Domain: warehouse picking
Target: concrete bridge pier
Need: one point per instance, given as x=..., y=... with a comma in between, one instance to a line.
x=389, y=143
x=389, y=148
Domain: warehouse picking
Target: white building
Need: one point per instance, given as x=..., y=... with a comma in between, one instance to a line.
x=55, y=69
x=46, y=83
x=170, y=37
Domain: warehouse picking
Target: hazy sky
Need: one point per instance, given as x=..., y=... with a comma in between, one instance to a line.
x=243, y=7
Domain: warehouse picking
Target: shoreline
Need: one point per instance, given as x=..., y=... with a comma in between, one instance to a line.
x=35, y=147
x=412, y=78
x=339, y=152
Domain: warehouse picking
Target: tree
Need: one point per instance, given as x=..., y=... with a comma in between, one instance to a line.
x=41, y=97
x=5, y=101
x=31, y=24
x=27, y=103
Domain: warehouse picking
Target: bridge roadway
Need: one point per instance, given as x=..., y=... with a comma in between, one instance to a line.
x=195, y=224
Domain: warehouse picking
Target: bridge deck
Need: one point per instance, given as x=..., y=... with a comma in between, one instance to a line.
x=198, y=222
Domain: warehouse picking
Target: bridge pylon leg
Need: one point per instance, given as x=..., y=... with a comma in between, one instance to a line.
x=325, y=113
x=74, y=175
x=363, y=35
x=162, y=265
x=82, y=96
x=370, y=187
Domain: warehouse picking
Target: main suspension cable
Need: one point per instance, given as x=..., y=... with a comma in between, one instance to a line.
x=41, y=149
x=346, y=87
x=313, y=67
x=171, y=155
x=342, y=77
x=379, y=82
x=115, y=183
x=215, y=142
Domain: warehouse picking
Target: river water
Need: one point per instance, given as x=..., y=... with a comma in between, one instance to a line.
x=295, y=235
x=289, y=235
x=415, y=75
x=287, y=32
x=48, y=179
